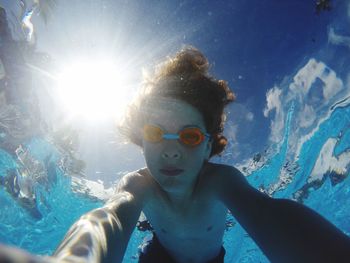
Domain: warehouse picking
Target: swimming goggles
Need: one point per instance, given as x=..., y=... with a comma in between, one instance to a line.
x=191, y=136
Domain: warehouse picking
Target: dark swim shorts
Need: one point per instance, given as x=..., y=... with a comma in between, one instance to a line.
x=153, y=252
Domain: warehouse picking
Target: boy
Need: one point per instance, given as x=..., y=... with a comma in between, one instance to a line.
x=178, y=121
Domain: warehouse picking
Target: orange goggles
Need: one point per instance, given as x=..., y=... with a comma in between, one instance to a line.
x=192, y=136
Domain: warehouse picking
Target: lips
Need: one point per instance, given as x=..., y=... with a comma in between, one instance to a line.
x=170, y=171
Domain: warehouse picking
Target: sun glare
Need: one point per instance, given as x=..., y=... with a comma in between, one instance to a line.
x=93, y=90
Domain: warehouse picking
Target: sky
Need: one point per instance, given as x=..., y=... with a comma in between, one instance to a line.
x=257, y=46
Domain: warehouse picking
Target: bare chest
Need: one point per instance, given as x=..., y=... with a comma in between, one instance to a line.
x=195, y=218
x=187, y=230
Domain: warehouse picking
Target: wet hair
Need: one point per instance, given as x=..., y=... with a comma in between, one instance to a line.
x=183, y=77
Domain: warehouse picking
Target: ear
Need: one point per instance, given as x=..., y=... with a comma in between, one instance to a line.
x=208, y=148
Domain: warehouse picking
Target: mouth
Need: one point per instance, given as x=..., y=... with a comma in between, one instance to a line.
x=169, y=171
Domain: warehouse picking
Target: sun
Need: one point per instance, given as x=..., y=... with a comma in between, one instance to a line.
x=93, y=90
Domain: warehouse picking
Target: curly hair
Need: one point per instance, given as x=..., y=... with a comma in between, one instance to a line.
x=184, y=77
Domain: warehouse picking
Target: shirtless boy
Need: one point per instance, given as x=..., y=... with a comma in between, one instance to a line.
x=178, y=121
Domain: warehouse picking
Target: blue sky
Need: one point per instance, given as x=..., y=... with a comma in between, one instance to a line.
x=255, y=45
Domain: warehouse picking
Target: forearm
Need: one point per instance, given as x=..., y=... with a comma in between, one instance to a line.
x=289, y=232
x=10, y=254
x=101, y=235
x=285, y=231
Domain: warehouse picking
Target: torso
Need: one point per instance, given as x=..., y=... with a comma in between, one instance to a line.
x=191, y=232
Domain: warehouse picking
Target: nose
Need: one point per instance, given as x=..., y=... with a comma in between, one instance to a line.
x=171, y=153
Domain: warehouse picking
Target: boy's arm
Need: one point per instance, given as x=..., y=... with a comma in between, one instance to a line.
x=102, y=235
x=286, y=231
x=10, y=254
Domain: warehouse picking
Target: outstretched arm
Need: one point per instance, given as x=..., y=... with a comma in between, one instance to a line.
x=103, y=234
x=285, y=231
x=99, y=236
x=10, y=254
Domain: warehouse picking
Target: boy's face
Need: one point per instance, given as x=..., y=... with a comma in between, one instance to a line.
x=172, y=164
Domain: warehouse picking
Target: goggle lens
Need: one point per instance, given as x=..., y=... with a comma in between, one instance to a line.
x=152, y=133
x=191, y=136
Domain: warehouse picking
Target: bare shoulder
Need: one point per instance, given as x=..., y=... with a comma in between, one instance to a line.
x=227, y=180
x=134, y=181
x=225, y=174
x=135, y=184
x=132, y=188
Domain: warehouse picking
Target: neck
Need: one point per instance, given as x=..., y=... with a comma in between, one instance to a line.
x=180, y=198
x=183, y=196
